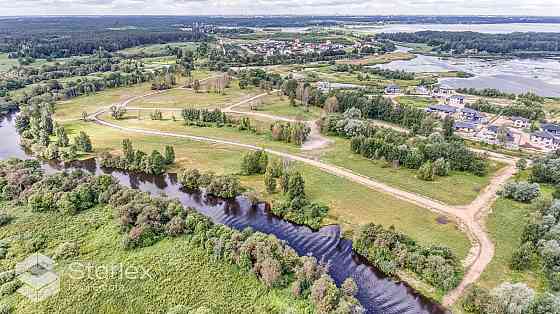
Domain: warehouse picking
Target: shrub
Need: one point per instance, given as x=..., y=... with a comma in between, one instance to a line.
x=4, y=219
x=7, y=276
x=521, y=191
x=179, y=309
x=9, y=288
x=66, y=250
x=176, y=226
x=190, y=179
x=521, y=258
x=476, y=300
x=324, y=294
x=5, y=308
x=511, y=299
x=426, y=172
x=349, y=287
x=441, y=167
x=224, y=186
x=270, y=272
x=254, y=163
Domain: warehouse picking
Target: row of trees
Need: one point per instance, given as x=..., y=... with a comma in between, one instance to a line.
x=524, y=106
x=461, y=42
x=385, y=73
x=486, y=92
x=432, y=156
x=381, y=108
x=137, y=160
x=390, y=250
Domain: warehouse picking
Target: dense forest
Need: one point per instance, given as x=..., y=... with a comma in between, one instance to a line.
x=461, y=42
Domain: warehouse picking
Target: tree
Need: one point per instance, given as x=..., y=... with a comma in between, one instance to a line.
x=270, y=271
x=117, y=112
x=128, y=150
x=61, y=137
x=296, y=186
x=84, y=116
x=169, y=155
x=349, y=287
x=448, y=126
x=521, y=164
x=83, y=142
x=254, y=163
x=269, y=180
x=196, y=86
x=476, y=300
x=324, y=294
x=190, y=179
x=521, y=191
x=426, y=171
x=156, y=163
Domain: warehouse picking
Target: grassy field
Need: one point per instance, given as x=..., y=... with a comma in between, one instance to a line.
x=280, y=106
x=351, y=204
x=6, y=63
x=326, y=73
x=183, y=98
x=457, y=189
x=415, y=101
x=156, y=48
x=505, y=224
x=384, y=58
x=179, y=272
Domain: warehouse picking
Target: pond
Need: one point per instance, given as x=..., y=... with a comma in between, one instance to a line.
x=379, y=294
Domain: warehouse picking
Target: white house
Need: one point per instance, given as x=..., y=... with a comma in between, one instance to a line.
x=472, y=115
x=545, y=140
x=520, y=122
x=443, y=110
x=456, y=100
x=551, y=128
x=443, y=91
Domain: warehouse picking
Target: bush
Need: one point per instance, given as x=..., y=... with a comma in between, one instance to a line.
x=9, y=288
x=521, y=258
x=426, y=172
x=476, y=300
x=7, y=276
x=4, y=219
x=224, y=186
x=521, y=191
x=441, y=167
x=254, y=163
x=190, y=179
x=66, y=250
x=5, y=308
x=511, y=299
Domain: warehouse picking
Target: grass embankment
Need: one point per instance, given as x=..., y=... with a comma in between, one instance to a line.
x=326, y=73
x=179, y=272
x=351, y=204
x=156, y=48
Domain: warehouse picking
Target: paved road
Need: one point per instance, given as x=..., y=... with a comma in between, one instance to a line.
x=470, y=217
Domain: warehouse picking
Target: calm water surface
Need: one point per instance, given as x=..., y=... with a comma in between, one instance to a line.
x=379, y=295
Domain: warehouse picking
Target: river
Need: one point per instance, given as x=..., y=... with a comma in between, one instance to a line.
x=540, y=76
x=378, y=294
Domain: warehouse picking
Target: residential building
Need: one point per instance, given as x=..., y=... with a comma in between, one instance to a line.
x=520, y=122
x=443, y=91
x=472, y=115
x=551, y=128
x=443, y=110
x=464, y=127
x=490, y=134
x=545, y=140
x=392, y=89
x=422, y=90
x=456, y=100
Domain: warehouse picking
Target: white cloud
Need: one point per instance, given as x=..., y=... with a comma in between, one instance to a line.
x=300, y=7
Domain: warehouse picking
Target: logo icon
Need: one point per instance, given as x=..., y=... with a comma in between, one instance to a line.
x=39, y=279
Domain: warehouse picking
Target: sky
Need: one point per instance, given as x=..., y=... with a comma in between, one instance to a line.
x=276, y=7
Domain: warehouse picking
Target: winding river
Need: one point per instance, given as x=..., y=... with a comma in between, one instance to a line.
x=378, y=294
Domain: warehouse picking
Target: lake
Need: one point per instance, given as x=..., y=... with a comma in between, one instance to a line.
x=541, y=76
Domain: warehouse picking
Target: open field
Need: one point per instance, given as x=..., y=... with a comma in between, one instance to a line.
x=326, y=73
x=351, y=204
x=6, y=63
x=156, y=48
x=183, y=98
x=280, y=106
x=457, y=189
x=384, y=58
x=180, y=273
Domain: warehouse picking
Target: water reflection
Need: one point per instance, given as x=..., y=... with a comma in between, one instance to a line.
x=376, y=292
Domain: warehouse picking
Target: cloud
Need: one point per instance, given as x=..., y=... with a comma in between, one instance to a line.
x=271, y=7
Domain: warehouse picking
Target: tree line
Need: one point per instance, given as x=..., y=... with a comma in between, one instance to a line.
x=385, y=73
x=461, y=42
x=529, y=106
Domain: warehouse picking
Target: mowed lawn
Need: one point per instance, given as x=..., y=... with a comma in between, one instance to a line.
x=179, y=273
x=457, y=189
x=186, y=98
x=415, y=101
x=351, y=204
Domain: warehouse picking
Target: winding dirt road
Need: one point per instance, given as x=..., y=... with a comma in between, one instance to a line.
x=470, y=217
